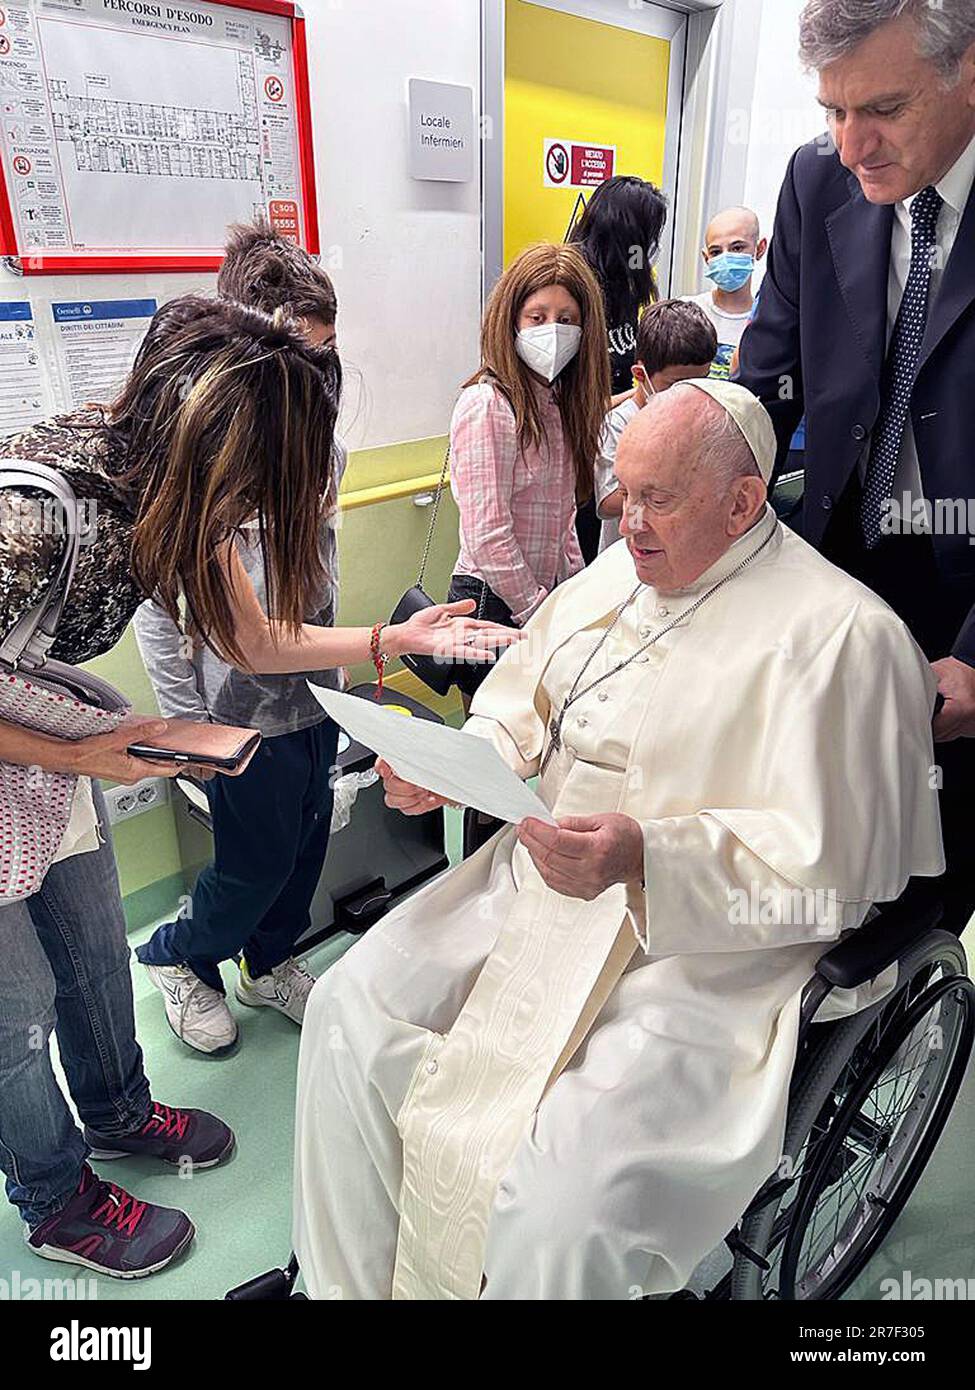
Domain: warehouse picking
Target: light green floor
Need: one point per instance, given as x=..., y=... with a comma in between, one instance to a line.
x=242, y=1210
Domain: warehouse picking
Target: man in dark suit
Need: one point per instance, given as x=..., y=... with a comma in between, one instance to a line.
x=866, y=323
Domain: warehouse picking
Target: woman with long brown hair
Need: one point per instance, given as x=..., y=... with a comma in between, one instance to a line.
x=227, y=419
x=524, y=436
x=271, y=828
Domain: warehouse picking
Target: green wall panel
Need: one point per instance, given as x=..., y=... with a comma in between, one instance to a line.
x=379, y=554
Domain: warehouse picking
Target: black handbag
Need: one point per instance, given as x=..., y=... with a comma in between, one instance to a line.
x=439, y=673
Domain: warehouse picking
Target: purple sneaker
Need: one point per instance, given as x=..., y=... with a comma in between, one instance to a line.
x=193, y=1138
x=106, y=1229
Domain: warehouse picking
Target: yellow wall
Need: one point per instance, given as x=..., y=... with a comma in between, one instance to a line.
x=574, y=79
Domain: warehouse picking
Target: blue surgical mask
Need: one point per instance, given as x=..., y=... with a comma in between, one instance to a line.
x=730, y=270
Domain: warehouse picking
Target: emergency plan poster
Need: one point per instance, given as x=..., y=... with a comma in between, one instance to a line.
x=137, y=127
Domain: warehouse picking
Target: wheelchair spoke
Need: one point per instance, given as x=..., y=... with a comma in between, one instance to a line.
x=843, y=1197
x=868, y=1103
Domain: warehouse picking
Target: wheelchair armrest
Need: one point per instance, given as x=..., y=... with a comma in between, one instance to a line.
x=879, y=943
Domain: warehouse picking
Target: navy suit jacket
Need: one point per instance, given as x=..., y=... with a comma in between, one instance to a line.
x=818, y=341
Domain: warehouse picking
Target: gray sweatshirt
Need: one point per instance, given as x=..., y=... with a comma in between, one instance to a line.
x=191, y=682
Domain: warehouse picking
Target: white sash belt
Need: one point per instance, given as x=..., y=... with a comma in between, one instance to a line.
x=472, y=1097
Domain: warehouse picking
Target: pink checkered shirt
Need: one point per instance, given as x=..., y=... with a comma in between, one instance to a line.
x=517, y=506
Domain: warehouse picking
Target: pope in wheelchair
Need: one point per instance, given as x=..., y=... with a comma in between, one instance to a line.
x=563, y=1069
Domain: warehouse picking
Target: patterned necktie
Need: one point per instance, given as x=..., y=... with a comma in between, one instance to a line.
x=900, y=367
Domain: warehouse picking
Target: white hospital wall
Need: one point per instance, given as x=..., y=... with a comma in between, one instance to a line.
x=405, y=255
x=784, y=111
x=762, y=107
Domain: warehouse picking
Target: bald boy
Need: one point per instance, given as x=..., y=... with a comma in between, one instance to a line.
x=733, y=246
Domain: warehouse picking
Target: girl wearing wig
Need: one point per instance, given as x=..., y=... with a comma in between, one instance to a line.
x=227, y=418
x=524, y=435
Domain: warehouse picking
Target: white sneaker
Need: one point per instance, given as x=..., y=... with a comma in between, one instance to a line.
x=197, y=1014
x=286, y=989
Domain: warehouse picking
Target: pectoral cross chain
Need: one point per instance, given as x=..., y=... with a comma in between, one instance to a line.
x=555, y=726
x=555, y=736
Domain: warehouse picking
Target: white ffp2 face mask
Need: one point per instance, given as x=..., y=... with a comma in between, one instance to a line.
x=548, y=347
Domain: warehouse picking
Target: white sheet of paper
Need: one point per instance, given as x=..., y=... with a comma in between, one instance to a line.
x=459, y=766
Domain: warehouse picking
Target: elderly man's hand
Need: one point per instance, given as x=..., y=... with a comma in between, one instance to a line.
x=405, y=796
x=584, y=855
x=956, y=682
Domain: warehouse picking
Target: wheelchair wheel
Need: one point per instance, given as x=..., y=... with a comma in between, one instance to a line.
x=863, y=1123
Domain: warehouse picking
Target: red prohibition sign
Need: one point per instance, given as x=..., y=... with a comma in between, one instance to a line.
x=557, y=163
x=274, y=88
x=21, y=164
x=4, y=45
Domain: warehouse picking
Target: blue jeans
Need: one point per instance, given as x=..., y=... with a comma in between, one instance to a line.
x=64, y=966
x=270, y=833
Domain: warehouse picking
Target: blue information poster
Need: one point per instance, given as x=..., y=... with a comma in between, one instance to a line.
x=21, y=378
x=97, y=340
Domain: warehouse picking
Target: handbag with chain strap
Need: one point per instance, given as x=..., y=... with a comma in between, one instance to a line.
x=439, y=673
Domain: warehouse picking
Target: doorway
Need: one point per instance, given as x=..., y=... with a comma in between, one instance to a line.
x=575, y=91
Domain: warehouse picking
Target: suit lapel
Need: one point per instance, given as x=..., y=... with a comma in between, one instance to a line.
x=859, y=240
x=957, y=286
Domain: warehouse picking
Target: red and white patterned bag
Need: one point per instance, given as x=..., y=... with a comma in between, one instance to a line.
x=47, y=697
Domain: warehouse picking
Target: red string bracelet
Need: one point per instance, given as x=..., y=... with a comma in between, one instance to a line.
x=378, y=657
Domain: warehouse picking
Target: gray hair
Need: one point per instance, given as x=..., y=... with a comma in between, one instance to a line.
x=829, y=29
x=724, y=451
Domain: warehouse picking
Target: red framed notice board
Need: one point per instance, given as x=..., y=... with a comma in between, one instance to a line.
x=132, y=132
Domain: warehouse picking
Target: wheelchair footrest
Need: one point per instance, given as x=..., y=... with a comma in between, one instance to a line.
x=274, y=1284
x=737, y=1246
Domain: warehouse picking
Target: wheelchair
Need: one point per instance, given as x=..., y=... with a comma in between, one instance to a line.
x=870, y=1096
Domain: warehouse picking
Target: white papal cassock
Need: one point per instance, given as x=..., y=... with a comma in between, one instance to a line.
x=500, y=1091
